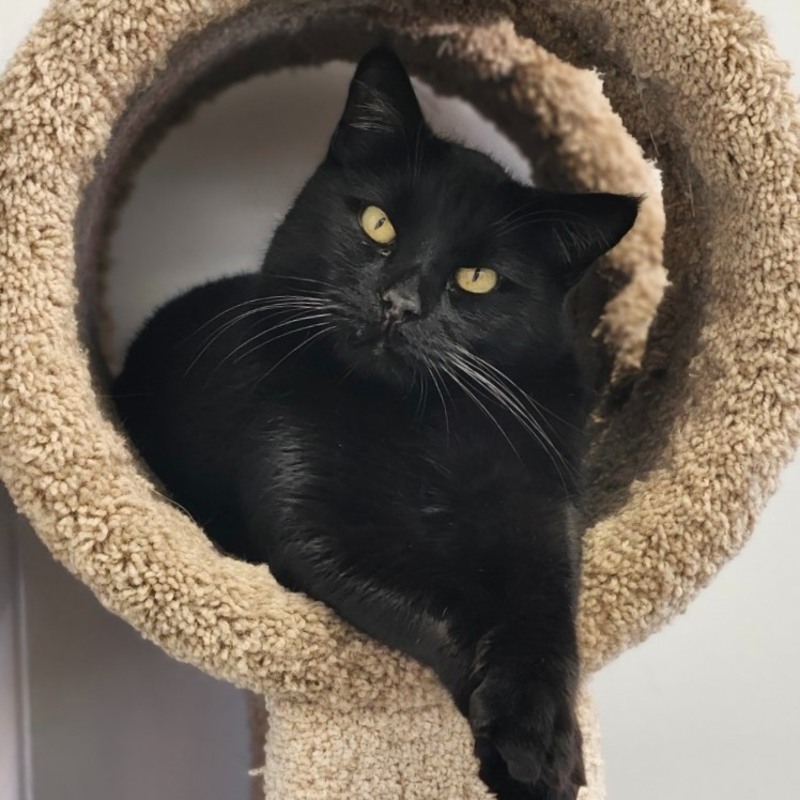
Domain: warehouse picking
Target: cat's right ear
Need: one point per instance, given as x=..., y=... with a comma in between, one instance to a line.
x=382, y=109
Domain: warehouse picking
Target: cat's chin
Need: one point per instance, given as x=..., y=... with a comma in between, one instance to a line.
x=375, y=357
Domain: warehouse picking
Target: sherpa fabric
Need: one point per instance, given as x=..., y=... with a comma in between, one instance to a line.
x=696, y=421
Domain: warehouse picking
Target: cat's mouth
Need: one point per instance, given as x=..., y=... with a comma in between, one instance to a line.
x=387, y=343
x=380, y=349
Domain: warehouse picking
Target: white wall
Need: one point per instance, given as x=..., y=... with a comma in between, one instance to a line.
x=705, y=710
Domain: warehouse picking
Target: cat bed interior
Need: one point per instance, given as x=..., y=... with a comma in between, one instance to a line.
x=699, y=407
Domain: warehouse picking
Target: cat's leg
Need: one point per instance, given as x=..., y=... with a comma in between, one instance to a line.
x=522, y=709
x=406, y=618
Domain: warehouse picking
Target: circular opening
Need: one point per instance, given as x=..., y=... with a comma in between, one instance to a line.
x=201, y=68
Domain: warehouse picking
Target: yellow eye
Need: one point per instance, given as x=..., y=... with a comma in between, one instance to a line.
x=478, y=280
x=376, y=225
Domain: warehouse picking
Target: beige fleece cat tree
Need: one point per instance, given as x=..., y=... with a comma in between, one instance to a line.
x=698, y=418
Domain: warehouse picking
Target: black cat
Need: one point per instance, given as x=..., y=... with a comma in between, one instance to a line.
x=390, y=415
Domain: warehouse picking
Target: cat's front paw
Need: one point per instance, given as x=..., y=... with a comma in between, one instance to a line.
x=531, y=725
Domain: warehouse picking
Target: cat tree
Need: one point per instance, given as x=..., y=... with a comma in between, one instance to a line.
x=700, y=409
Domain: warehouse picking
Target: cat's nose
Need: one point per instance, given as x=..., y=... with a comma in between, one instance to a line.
x=400, y=303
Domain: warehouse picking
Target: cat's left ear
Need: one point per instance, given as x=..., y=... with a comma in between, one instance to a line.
x=382, y=109
x=576, y=229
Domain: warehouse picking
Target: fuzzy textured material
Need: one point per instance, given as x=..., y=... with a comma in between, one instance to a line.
x=701, y=412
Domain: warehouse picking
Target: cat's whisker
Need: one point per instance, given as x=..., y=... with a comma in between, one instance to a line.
x=225, y=327
x=292, y=331
x=289, y=322
x=514, y=387
x=422, y=394
x=517, y=410
x=278, y=307
x=436, y=377
x=496, y=376
x=199, y=328
x=307, y=341
x=471, y=395
x=513, y=404
x=251, y=301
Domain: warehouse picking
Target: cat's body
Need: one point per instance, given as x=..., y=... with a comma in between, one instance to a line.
x=429, y=499
x=402, y=449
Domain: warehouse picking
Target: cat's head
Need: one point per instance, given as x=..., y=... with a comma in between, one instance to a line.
x=426, y=251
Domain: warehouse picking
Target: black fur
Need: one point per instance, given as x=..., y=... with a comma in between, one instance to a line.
x=398, y=448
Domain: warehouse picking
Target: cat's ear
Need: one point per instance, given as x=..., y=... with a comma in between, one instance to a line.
x=576, y=229
x=382, y=108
